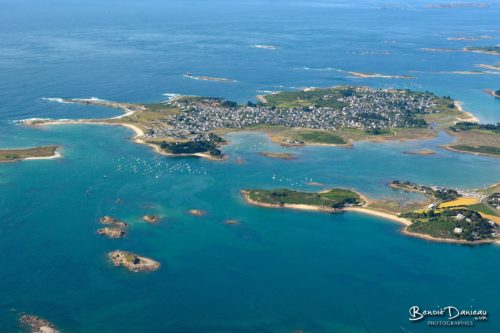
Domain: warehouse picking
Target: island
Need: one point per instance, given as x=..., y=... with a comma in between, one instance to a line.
x=197, y=212
x=112, y=232
x=151, y=219
x=132, y=261
x=494, y=93
x=332, y=200
x=208, y=78
x=109, y=220
x=115, y=228
x=494, y=50
x=337, y=116
x=475, y=138
x=37, y=324
x=282, y=156
x=421, y=152
x=36, y=153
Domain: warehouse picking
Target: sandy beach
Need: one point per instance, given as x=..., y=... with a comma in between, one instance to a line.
x=56, y=155
x=472, y=118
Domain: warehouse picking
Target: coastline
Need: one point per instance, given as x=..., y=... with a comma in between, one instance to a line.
x=448, y=147
x=491, y=93
x=365, y=210
x=472, y=118
x=57, y=154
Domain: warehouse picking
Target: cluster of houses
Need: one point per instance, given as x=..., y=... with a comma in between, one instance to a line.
x=366, y=109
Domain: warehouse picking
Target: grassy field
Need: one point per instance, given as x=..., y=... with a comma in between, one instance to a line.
x=11, y=155
x=321, y=137
x=488, y=150
x=335, y=198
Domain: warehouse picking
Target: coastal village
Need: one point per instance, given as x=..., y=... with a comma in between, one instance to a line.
x=326, y=109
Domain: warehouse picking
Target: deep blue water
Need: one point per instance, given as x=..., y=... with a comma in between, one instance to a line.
x=278, y=271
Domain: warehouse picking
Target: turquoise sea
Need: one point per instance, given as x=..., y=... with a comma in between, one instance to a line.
x=278, y=271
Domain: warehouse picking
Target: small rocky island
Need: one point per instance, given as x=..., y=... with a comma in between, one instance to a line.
x=197, y=212
x=36, y=324
x=115, y=228
x=282, y=156
x=133, y=262
x=151, y=219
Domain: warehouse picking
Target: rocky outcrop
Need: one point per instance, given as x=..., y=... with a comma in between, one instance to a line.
x=36, y=324
x=151, y=219
x=112, y=232
x=133, y=262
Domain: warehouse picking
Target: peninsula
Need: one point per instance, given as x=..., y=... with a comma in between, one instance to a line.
x=132, y=261
x=37, y=153
x=468, y=217
x=193, y=126
x=464, y=216
x=475, y=138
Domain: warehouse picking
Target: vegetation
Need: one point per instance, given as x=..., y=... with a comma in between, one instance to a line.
x=441, y=194
x=335, y=198
x=458, y=224
x=206, y=145
x=488, y=150
x=321, y=137
x=485, y=49
x=467, y=126
x=11, y=155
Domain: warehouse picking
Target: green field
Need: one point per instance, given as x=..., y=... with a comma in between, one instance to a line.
x=489, y=150
x=10, y=155
x=335, y=198
x=321, y=137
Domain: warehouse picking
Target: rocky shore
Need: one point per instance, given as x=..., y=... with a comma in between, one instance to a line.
x=133, y=262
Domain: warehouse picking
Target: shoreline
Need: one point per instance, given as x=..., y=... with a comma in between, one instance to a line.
x=449, y=148
x=57, y=154
x=491, y=93
x=367, y=211
x=472, y=118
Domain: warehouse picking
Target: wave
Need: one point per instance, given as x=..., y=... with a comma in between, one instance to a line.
x=263, y=46
x=55, y=99
x=327, y=69
x=171, y=96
